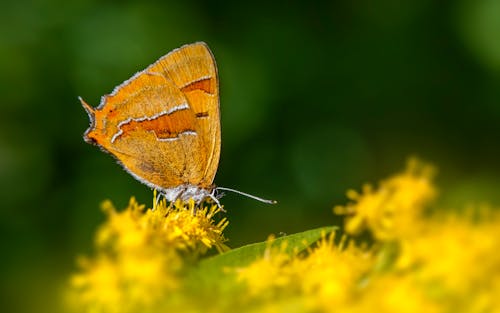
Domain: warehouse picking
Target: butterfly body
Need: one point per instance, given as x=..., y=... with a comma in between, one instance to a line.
x=163, y=124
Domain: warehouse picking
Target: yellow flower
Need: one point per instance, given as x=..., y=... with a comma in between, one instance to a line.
x=390, y=211
x=267, y=272
x=417, y=263
x=140, y=254
x=323, y=278
x=186, y=226
x=393, y=293
x=434, y=263
x=147, y=260
x=331, y=274
x=122, y=283
x=98, y=286
x=458, y=259
x=181, y=225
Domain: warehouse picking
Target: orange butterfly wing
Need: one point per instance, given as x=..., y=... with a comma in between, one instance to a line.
x=163, y=124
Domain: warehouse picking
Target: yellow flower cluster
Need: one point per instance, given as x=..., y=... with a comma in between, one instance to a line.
x=390, y=210
x=414, y=262
x=397, y=255
x=326, y=275
x=140, y=254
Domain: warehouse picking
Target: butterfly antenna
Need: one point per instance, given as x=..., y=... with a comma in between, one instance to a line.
x=248, y=195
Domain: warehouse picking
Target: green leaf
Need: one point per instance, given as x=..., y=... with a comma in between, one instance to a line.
x=213, y=268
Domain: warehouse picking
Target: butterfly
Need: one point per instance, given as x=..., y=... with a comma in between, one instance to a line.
x=163, y=125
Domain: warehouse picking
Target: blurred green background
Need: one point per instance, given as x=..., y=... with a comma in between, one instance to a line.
x=316, y=97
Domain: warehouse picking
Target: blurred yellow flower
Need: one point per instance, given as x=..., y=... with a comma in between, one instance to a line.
x=457, y=259
x=390, y=211
x=323, y=278
x=331, y=275
x=267, y=272
x=393, y=293
x=415, y=262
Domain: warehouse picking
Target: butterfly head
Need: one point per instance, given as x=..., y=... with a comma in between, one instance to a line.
x=90, y=134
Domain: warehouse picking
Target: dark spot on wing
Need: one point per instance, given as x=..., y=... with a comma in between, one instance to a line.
x=201, y=114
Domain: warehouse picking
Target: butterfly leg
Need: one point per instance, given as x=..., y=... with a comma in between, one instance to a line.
x=179, y=195
x=215, y=199
x=158, y=194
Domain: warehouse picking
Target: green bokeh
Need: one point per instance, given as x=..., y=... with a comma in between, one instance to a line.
x=316, y=97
